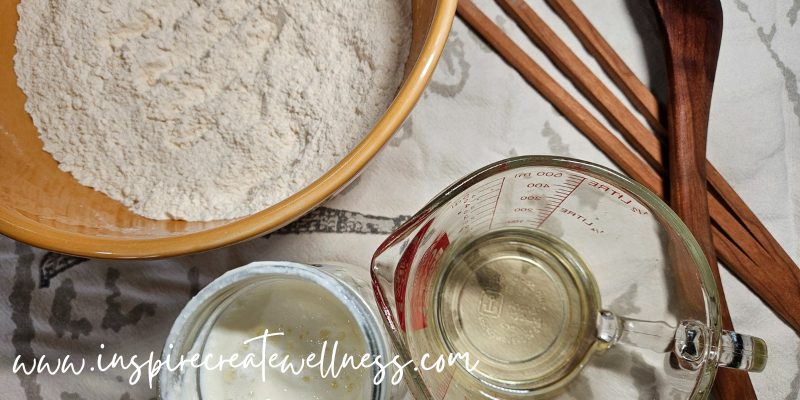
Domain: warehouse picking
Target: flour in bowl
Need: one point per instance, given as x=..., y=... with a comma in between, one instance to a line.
x=207, y=109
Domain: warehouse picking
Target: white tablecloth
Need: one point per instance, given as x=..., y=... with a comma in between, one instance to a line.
x=476, y=110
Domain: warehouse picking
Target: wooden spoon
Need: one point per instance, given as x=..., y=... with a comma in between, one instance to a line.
x=692, y=32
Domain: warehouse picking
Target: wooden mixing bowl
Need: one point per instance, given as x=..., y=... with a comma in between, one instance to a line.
x=46, y=207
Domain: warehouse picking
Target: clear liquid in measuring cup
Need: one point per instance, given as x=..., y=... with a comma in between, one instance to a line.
x=520, y=302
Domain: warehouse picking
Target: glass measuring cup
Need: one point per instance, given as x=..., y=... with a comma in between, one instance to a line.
x=509, y=265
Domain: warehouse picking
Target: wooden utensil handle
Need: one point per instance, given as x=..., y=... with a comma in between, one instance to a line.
x=692, y=44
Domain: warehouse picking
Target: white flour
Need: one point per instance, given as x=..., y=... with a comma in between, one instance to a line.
x=203, y=109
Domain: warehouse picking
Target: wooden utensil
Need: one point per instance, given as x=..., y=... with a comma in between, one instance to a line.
x=692, y=33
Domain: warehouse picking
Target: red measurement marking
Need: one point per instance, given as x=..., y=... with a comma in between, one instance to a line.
x=636, y=210
x=422, y=281
x=572, y=183
x=488, y=188
x=488, y=196
x=451, y=371
x=478, y=224
x=481, y=215
x=497, y=201
x=576, y=167
x=485, y=195
x=489, y=183
x=487, y=204
x=577, y=216
x=401, y=275
x=610, y=191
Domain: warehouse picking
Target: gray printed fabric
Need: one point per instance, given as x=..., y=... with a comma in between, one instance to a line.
x=476, y=110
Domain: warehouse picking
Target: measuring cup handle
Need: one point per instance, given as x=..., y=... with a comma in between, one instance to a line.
x=732, y=350
x=613, y=330
x=739, y=351
x=688, y=342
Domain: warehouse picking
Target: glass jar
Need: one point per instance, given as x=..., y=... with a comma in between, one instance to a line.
x=190, y=333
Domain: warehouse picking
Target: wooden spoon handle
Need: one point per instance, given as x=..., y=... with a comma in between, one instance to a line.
x=691, y=42
x=692, y=33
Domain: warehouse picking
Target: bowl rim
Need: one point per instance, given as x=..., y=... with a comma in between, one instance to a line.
x=274, y=217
